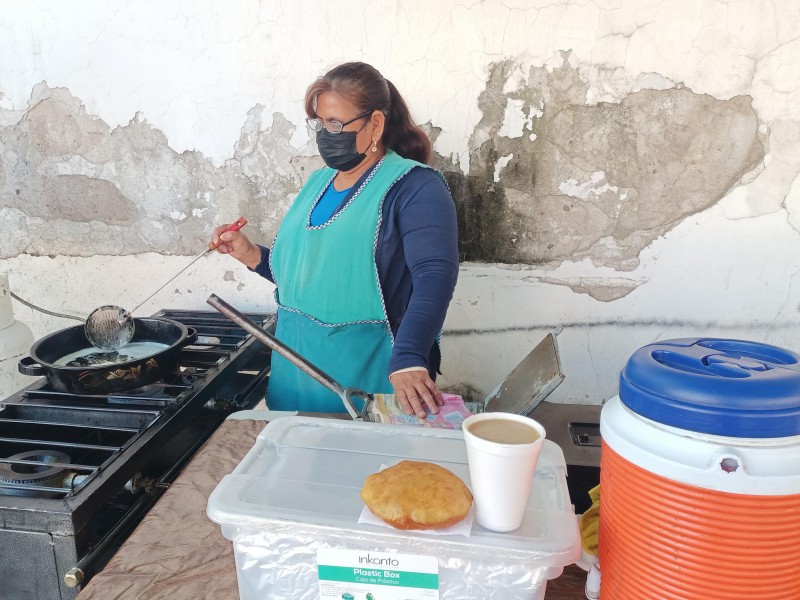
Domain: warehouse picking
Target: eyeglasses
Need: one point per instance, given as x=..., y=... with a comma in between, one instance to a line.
x=334, y=126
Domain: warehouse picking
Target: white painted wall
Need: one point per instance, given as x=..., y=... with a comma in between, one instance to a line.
x=194, y=68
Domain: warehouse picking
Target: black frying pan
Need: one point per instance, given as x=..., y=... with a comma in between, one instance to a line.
x=108, y=378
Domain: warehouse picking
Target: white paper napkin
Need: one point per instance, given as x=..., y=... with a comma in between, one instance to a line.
x=463, y=527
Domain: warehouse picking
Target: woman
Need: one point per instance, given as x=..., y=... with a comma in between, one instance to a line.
x=366, y=259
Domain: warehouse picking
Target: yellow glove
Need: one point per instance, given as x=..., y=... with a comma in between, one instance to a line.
x=590, y=523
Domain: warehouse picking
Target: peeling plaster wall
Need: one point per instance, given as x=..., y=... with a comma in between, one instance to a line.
x=601, y=181
x=626, y=169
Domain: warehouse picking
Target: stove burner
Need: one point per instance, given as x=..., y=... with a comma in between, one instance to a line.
x=33, y=474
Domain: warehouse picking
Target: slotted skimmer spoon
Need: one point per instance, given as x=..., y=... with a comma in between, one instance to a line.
x=111, y=327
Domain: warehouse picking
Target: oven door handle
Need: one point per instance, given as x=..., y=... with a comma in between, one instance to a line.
x=28, y=366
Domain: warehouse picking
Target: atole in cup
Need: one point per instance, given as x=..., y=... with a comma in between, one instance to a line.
x=502, y=450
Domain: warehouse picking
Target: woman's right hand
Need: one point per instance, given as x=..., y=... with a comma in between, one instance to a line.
x=237, y=245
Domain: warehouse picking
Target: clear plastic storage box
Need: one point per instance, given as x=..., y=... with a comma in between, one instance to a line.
x=297, y=491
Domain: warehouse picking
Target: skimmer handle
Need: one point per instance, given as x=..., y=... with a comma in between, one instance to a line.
x=235, y=226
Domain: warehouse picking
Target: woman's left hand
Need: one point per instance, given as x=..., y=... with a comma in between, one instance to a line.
x=415, y=390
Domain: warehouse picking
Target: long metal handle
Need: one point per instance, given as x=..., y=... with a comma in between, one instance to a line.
x=235, y=226
x=346, y=394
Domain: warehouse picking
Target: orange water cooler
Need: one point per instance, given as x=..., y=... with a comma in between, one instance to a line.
x=700, y=474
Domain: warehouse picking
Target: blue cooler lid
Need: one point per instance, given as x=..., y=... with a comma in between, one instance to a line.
x=723, y=387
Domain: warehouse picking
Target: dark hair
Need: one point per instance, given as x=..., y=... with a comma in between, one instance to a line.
x=363, y=86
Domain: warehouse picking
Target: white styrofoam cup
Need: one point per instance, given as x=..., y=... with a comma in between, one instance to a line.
x=501, y=474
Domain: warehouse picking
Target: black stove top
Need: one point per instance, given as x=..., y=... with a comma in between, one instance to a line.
x=78, y=471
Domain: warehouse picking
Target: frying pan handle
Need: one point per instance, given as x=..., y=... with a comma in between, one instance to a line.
x=28, y=366
x=191, y=337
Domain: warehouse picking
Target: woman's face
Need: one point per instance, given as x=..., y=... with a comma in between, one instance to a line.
x=333, y=107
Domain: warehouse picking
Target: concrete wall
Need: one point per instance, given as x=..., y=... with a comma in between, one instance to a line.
x=627, y=169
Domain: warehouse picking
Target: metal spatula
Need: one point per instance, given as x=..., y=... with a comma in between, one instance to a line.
x=111, y=327
x=346, y=394
x=531, y=381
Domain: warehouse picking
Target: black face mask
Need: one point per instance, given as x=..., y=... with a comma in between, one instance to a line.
x=339, y=150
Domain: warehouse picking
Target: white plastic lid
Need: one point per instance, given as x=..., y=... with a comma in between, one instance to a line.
x=307, y=473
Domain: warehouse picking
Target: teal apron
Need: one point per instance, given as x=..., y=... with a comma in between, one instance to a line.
x=330, y=304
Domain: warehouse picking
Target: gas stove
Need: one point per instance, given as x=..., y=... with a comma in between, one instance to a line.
x=78, y=472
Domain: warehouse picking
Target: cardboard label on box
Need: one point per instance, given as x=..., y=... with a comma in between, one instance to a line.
x=363, y=575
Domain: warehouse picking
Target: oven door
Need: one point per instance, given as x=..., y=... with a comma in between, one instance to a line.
x=28, y=568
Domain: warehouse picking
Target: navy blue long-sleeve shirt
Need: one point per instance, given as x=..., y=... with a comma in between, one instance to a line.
x=417, y=260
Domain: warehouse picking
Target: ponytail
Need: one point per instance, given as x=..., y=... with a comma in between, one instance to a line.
x=367, y=89
x=401, y=134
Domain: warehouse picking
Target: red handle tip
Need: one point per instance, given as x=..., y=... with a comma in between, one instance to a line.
x=235, y=226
